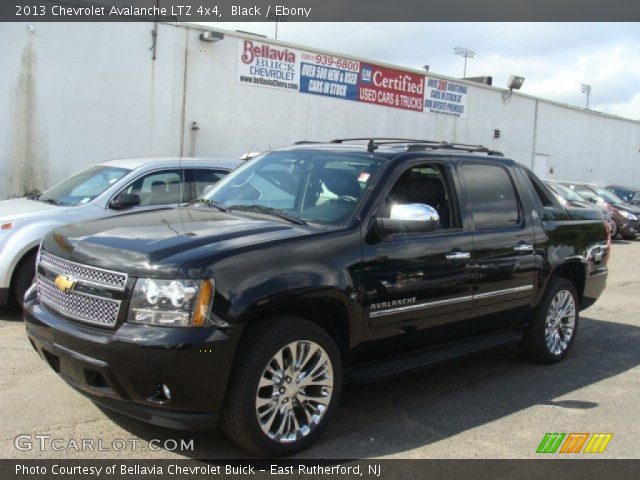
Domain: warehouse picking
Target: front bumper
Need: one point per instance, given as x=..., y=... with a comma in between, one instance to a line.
x=629, y=228
x=122, y=369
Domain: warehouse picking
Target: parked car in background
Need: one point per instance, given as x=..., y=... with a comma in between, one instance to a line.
x=103, y=190
x=628, y=194
x=579, y=206
x=625, y=216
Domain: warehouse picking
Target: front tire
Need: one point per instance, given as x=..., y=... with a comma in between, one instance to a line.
x=554, y=324
x=287, y=382
x=23, y=277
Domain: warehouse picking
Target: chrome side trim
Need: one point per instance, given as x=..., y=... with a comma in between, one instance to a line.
x=438, y=303
x=506, y=291
x=419, y=306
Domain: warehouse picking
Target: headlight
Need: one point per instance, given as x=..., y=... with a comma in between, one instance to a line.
x=173, y=303
x=628, y=215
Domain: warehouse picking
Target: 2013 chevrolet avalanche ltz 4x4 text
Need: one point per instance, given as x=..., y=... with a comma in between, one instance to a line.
x=307, y=267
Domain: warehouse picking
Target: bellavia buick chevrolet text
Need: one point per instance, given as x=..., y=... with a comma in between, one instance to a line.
x=307, y=267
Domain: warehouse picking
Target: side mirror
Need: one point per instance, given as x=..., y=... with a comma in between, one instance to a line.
x=125, y=200
x=412, y=217
x=592, y=199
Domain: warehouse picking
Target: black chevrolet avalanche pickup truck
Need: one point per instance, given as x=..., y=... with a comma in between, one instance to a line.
x=308, y=267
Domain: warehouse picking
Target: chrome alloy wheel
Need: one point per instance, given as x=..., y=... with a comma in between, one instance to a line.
x=560, y=323
x=294, y=391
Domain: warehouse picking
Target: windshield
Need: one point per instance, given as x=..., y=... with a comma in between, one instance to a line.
x=566, y=193
x=625, y=194
x=608, y=197
x=83, y=187
x=307, y=185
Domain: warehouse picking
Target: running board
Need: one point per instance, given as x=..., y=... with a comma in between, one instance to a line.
x=417, y=360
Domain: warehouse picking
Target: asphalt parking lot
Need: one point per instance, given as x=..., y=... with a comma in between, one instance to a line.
x=496, y=405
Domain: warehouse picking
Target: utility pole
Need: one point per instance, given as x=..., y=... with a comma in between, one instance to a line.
x=586, y=89
x=466, y=53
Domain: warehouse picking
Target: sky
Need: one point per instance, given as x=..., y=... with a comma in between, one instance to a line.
x=554, y=58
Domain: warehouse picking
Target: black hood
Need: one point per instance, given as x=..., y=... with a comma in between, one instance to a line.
x=157, y=243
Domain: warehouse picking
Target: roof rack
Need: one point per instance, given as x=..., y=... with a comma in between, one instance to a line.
x=411, y=144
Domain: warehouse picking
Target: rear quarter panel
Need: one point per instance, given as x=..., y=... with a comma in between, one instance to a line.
x=584, y=242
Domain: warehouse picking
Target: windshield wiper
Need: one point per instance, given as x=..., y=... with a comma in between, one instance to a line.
x=211, y=203
x=50, y=201
x=269, y=211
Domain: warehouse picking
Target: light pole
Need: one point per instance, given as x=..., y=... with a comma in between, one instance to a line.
x=466, y=53
x=586, y=89
x=277, y=18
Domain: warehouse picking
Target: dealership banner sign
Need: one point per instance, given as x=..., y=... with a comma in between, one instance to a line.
x=268, y=65
x=448, y=98
x=392, y=88
x=274, y=66
x=329, y=76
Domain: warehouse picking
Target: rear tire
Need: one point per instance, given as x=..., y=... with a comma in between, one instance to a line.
x=23, y=277
x=554, y=324
x=272, y=407
x=629, y=237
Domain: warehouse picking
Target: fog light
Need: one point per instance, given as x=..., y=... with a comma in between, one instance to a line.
x=162, y=394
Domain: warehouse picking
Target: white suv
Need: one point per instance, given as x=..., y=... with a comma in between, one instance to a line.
x=110, y=188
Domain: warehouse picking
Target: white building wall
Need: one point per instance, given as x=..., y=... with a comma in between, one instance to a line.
x=235, y=117
x=75, y=94
x=589, y=147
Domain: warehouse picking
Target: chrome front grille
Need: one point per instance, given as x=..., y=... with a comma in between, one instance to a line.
x=78, y=306
x=89, y=275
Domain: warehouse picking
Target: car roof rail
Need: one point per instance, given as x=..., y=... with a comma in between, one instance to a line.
x=411, y=144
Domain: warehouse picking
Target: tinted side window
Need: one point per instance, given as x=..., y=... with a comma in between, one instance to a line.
x=541, y=190
x=428, y=185
x=204, y=179
x=492, y=197
x=164, y=187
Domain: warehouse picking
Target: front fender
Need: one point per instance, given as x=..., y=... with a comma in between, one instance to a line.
x=262, y=277
x=28, y=233
x=17, y=244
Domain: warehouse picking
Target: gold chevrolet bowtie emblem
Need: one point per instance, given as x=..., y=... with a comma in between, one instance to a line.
x=64, y=283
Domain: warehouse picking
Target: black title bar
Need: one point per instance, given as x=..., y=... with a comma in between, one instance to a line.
x=181, y=469
x=319, y=10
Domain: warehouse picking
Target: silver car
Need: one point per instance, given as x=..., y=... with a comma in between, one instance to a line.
x=110, y=188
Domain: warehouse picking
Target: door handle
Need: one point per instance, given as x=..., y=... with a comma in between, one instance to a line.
x=458, y=256
x=523, y=247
